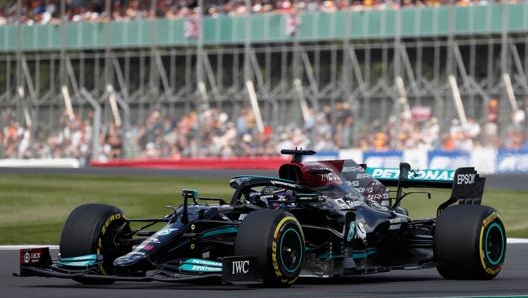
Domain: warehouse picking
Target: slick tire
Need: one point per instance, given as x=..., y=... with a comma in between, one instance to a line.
x=275, y=237
x=95, y=229
x=469, y=242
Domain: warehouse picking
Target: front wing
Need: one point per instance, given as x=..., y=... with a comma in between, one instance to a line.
x=233, y=269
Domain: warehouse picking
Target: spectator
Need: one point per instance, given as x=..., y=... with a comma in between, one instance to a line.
x=47, y=11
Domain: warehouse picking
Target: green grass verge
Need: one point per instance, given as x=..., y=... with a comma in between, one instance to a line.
x=33, y=208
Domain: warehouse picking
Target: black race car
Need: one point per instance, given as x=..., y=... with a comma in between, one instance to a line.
x=317, y=219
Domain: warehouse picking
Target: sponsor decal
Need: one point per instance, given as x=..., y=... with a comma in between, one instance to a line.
x=153, y=240
x=282, y=183
x=465, y=179
x=240, y=267
x=442, y=175
x=363, y=176
x=107, y=223
x=424, y=175
x=384, y=173
x=347, y=204
x=202, y=262
x=490, y=218
x=236, y=269
x=341, y=203
x=166, y=231
x=375, y=196
x=347, y=169
x=34, y=256
x=27, y=257
x=109, y=220
x=329, y=177
x=199, y=268
x=354, y=183
x=397, y=220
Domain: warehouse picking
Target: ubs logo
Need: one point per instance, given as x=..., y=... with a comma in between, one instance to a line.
x=31, y=257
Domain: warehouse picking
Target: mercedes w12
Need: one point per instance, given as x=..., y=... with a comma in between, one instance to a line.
x=316, y=218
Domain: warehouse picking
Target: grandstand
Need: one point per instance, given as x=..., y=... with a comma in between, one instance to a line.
x=388, y=77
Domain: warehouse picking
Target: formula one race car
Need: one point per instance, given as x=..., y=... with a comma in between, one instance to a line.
x=317, y=219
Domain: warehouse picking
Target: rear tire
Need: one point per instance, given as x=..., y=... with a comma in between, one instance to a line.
x=470, y=242
x=95, y=229
x=275, y=237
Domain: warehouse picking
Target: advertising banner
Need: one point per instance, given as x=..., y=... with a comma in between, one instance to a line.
x=510, y=161
x=386, y=159
x=448, y=159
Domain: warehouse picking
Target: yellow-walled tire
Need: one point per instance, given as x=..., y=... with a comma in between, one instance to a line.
x=95, y=229
x=275, y=237
x=470, y=242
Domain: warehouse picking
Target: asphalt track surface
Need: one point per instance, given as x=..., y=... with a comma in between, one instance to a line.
x=511, y=282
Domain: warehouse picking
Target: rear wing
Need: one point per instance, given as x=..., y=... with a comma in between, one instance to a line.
x=466, y=184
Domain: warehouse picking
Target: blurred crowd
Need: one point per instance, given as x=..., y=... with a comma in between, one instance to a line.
x=212, y=133
x=49, y=11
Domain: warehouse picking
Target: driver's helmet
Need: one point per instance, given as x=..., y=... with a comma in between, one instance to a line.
x=275, y=198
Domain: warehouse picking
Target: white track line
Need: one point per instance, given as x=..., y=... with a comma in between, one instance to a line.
x=517, y=240
x=17, y=247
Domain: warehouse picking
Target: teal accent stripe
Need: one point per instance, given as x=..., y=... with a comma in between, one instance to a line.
x=327, y=256
x=91, y=257
x=202, y=262
x=495, y=262
x=80, y=261
x=199, y=268
x=280, y=250
x=362, y=255
x=228, y=230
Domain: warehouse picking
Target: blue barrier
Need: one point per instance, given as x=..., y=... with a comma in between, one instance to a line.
x=512, y=161
x=438, y=159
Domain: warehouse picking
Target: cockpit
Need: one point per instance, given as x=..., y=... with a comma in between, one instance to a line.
x=323, y=177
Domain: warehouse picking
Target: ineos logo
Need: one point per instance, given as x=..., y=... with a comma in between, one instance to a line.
x=466, y=178
x=240, y=267
x=329, y=177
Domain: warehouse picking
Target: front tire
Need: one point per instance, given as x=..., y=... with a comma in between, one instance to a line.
x=95, y=229
x=470, y=242
x=275, y=237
